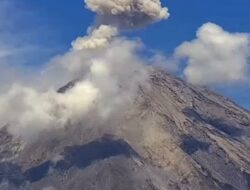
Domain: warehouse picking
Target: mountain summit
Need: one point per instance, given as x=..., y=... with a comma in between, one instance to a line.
x=173, y=136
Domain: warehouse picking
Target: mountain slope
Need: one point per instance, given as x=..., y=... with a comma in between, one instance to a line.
x=172, y=136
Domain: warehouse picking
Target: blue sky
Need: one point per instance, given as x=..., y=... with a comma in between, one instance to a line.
x=51, y=25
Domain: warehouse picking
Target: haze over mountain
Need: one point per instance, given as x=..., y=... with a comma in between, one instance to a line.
x=105, y=116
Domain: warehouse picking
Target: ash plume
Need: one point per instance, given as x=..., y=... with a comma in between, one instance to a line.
x=100, y=37
x=128, y=14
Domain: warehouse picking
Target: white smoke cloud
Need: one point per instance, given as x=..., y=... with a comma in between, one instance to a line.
x=128, y=13
x=116, y=70
x=107, y=69
x=29, y=112
x=107, y=80
x=216, y=56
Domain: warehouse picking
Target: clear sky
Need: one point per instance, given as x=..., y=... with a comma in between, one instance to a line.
x=51, y=25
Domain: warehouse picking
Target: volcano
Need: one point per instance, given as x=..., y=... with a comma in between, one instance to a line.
x=174, y=136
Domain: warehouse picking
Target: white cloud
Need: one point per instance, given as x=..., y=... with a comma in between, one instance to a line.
x=216, y=56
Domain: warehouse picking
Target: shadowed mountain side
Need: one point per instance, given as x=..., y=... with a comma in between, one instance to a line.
x=104, y=163
x=81, y=156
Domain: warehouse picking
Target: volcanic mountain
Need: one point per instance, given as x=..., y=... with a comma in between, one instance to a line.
x=174, y=136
